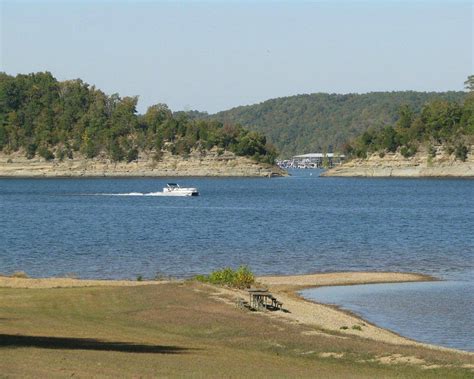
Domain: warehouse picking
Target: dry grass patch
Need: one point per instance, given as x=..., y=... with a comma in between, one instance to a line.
x=178, y=329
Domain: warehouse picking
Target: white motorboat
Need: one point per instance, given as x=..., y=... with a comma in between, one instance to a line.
x=173, y=189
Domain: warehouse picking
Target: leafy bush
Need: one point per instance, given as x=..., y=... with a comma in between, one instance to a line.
x=20, y=274
x=31, y=150
x=461, y=152
x=408, y=151
x=45, y=153
x=240, y=278
x=431, y=151
x=132, y=155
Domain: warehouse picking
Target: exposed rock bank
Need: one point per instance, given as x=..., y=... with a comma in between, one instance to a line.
x=395, y=165
x=211, y=163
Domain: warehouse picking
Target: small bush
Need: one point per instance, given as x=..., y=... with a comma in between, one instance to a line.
x=139, y=278
x=344, y=327
x=244, y=278
x=240, y=278
x=382, y=154
x=431, y=151
x=157, y=156
x=45, y=153
x=461, y=152
x=20, y=274
x=132, y=155
x=61, y=154
x=408, y=151
x=31, y=150
x=449, y=150
x=356, y=327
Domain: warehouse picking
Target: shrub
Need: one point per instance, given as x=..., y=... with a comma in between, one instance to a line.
x=240, y=278
x=431, y=151
x=356, y=327
x=20, y=274
x=461, y=152
x=132, y=155
x=157, y=156
x=31, y=150
x=408, y=151
x=61, y=154
x=45, y=153
x=244, y=278
x=449, y=150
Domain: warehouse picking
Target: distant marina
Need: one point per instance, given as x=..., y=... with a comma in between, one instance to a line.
x=312, y=160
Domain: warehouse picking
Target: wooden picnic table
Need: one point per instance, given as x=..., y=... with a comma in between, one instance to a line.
x=261, y=298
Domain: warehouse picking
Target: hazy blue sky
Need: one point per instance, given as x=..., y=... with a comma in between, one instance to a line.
x=216, y=55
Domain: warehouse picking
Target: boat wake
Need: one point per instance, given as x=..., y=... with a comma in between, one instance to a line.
x=131, y=194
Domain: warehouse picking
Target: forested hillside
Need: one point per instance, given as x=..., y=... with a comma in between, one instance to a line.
x=440, y=123
x=58, y=120
x=324, y=122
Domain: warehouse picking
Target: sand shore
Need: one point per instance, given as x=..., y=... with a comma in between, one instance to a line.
x=329, y=318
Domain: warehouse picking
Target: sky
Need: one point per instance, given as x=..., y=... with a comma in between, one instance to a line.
x=215, y=55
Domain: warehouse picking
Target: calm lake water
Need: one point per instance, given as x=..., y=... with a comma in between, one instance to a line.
x=300, y=224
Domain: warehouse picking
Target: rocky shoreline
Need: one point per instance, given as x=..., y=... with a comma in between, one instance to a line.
x=417, y=166
x=212, y=163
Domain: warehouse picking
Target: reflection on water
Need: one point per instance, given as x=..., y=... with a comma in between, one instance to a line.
x=441, y=313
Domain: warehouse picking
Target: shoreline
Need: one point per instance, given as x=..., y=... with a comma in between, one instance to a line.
x=330, y=317
x=327, y=317
x=210, y=164
x=324, y=319
x=394, y=165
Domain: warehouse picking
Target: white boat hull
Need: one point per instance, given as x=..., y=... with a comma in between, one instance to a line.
x=179, y=191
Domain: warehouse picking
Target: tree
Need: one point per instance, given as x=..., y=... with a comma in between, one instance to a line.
x=469, y=83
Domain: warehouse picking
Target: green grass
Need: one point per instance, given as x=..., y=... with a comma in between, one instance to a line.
x=177, y=329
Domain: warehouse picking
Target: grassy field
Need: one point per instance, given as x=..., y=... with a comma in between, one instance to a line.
x=184, y=329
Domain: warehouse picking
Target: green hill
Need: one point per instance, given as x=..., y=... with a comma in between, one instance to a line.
x=55, y=120
x=324, y=122
x=440, y=123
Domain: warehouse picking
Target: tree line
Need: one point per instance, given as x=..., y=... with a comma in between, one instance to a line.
x=440, y=122
x=324, y=122
x=57, y=120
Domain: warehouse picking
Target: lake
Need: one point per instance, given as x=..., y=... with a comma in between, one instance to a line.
x=94, y=228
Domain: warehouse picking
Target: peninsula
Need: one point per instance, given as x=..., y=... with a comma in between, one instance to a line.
x=438, y=142
x=69, y=129
x=210, y=163
x=422, y=164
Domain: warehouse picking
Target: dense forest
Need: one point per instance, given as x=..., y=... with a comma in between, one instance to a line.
x=324, y=122
x=60, y=120
x=440, y=122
